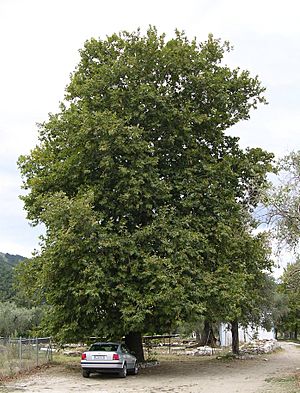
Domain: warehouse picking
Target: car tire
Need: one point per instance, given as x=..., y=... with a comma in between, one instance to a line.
x=123, y=372
x=135, y=369
x=85, y=373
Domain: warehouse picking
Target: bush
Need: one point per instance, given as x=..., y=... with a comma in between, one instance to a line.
x=18, y=321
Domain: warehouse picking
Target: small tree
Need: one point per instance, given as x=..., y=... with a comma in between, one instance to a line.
x=18, y=321
x=280, y=311
x=283, y=200
x=238, y=286
x=290, y=287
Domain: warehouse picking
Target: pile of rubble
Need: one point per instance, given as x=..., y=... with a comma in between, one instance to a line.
x=259, y=347
x=201, y=351
x=251, y=348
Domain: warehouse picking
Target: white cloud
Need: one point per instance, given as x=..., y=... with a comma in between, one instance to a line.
x=265, y=17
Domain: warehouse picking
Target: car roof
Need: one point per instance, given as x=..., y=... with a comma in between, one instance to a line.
x=106, y=342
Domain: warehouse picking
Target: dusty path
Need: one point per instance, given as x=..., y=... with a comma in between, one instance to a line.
x=189, y=376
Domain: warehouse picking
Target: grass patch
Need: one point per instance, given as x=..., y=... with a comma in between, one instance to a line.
x=68, y=362
x=60, y=358
x=286, y=383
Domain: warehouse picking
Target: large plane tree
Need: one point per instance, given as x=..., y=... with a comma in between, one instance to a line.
x=136, y=181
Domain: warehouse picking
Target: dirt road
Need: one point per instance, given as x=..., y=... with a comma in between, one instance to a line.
x=194, y=375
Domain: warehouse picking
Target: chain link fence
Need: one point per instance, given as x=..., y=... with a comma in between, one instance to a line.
x=23, y=354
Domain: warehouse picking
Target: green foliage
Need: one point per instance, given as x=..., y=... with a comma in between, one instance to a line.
x=141, y=191
x=239, y=287
x=283, y=200
x=291, y=277
x=7, y=264
x=18, y=321
x=280, y=307
x=290, y=291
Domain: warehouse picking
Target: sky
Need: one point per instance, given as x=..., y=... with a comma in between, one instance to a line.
x=40, y=40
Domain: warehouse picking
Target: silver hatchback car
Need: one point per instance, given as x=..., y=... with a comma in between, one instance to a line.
x=108, y=357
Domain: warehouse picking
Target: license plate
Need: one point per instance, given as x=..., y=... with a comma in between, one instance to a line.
x=99, y=357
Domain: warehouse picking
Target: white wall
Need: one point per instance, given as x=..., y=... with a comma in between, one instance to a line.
x=245, y=334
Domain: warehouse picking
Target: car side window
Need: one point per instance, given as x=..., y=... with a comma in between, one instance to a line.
x=124, y=349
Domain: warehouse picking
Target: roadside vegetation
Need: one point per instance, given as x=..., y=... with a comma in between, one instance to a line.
x=16, y=321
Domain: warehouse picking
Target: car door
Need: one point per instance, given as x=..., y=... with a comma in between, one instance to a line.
x=130, y=360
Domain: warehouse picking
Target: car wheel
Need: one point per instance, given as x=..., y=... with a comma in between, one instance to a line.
x=85, y=373
x=123, y=372
x=135, y=369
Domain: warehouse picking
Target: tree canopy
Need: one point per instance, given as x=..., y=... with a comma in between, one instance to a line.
x=289, y=289
x=138, y=184
x=283, y=201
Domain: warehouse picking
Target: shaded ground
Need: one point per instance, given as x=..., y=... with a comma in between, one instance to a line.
x=266, y=373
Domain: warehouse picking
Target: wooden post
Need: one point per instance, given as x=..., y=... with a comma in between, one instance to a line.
x=37, y=351
x=20, y=352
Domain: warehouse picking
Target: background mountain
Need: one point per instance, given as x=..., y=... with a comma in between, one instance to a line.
x=7, y=265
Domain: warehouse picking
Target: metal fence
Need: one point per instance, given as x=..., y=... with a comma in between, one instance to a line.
x=23, y=354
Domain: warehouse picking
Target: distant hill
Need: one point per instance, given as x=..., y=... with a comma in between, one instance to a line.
x=7, y=264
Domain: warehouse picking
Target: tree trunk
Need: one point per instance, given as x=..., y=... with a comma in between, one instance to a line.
x=134, y=342
x=276, y=333
x=296, y=332
x=208, y=337
x=205, y=334
x=235, y=337
x=198, y=335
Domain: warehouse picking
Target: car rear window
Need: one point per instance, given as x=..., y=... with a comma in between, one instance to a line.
x=104, y=347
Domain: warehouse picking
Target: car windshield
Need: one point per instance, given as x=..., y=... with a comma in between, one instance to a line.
x=104, y=347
